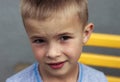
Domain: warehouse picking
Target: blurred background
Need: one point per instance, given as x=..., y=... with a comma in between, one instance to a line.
x=14, y=45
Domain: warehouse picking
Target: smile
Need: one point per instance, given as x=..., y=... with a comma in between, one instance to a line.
x=56, y=65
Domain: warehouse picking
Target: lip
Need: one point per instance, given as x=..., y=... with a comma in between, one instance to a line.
x=57, y=65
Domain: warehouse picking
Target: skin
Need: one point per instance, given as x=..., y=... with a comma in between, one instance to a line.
x=55, y=41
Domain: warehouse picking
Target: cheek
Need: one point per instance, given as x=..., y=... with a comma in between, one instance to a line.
x=38, y=53
x=73, y=51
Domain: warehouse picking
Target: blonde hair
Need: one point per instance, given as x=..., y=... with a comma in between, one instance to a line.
x=44, y=9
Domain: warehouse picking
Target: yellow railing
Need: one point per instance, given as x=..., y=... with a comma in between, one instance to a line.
x=113, y=79
x=103, y=40
x=100, y=60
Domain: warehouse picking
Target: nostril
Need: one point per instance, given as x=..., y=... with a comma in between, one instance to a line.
x=53, y=54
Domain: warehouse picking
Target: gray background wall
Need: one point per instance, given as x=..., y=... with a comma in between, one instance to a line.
x=14, y=44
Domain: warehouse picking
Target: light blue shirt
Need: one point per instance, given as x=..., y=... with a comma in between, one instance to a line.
x=31, y=74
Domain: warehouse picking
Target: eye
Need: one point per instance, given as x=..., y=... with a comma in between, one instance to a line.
x=64, y=38
x=39, y=41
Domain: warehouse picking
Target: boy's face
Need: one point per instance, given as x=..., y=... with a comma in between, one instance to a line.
x=57, y=44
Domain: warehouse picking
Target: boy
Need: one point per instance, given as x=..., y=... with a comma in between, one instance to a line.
x=57, y=30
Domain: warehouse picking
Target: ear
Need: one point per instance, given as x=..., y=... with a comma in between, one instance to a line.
x=87, y=32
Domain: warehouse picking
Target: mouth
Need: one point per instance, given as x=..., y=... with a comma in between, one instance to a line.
x=57, y=65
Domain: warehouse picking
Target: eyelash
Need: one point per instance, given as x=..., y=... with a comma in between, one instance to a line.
x=65, y=38
x=39, y=41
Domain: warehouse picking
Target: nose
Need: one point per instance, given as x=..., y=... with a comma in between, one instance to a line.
x=54, y=51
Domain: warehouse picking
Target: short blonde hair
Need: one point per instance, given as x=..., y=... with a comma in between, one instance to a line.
x=44, y=9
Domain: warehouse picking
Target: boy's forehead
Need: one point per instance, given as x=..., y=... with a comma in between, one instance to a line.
x=56, y=21
x=51, y=29
x=56, y=25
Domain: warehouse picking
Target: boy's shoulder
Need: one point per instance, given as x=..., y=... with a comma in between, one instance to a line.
x=26, y=75
x=87, y=74
x=90, y=74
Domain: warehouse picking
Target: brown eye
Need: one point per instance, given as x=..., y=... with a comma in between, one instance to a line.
x=39, y=41
x=64, y=38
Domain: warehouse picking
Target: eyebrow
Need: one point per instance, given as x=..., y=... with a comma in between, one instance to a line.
x=66, y=33
x=58, y=35
x=36, y=36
